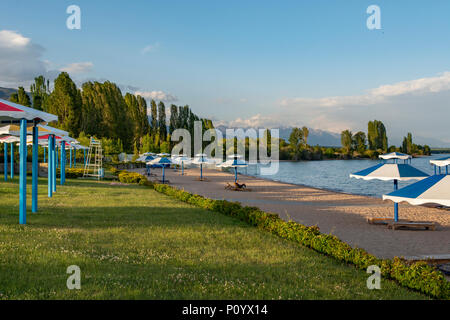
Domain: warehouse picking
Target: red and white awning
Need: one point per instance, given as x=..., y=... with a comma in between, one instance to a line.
x=10, y=111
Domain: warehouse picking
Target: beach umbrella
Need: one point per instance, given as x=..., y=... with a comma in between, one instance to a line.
x=201, y=159
x=434, y=189
x=12, y=113
x=439, y=163
x=146, y=158
x=391, y=171
x=163, y=162
x=181, y=160
x=234, y=162
x=395, y=156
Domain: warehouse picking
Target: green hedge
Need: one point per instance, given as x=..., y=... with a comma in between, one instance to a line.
x=418, y=276
x=71, y=173
x=133, y=177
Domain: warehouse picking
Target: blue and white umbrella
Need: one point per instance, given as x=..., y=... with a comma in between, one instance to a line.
x=389, y=172
x=439, y=163
x=434, y=189
x=395, y=156
x=145, y=158
x=162, y=162
x=235, y=162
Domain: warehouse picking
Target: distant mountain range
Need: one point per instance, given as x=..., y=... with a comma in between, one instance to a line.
x=5, y=93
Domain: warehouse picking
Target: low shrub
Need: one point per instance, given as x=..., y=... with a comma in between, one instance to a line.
x=71, y=173
x=131, y=177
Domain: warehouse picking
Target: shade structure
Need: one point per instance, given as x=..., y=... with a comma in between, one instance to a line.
x=163, y=162
x=12, y=113
x=235, y=162
x=395, y=155
x=433, y=190
x=182, y=160
x=442, y=162
x=145, y=158
x=201, y=159
x=391, y=171
x=10, y=139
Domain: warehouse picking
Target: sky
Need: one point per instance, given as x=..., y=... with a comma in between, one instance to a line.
x=250, y=63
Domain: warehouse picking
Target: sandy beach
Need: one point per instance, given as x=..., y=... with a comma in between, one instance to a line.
x=343, y=215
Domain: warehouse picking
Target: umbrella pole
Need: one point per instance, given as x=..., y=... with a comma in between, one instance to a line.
x=201, y=171
x=12, y=161
x=49, y=168
x=34, y=171
x=5, y=154
x=395, y=204
x=235, y=174
x=163, y=173
x=23, y=173
x=63, y=163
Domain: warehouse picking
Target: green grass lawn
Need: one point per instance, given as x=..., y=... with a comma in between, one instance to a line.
x=134, y=243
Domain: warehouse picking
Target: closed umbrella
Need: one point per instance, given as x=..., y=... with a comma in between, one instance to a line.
x=201, y=159
x=391, y=171
x=181, y=160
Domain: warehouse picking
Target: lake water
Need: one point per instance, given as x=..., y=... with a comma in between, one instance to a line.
x=334, y=175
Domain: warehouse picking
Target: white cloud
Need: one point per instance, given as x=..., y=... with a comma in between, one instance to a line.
x=377, y=95
x=78, y=67
x=150, y=48
x=157, y=95
x=20, y=59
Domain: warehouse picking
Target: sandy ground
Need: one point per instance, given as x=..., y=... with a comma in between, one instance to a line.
x=343, y=215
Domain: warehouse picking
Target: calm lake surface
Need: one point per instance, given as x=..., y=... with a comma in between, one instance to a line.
x=334, y=175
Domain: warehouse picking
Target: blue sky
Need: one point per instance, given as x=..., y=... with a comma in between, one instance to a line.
x=268, y=63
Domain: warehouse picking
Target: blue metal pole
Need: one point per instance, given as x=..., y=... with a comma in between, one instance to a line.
x=182, y=168
x=75, y=158
x=70, y=159
x=56, y=157
x=395, y=204
x=84, y=157
x=63, y=163
x=235, y=174
x=5, y=154
x=201, y=171
x=163, y=173
x=44, y=153
x=49, y=168
x=23, y=173
x=55, y=163
x=12, y=161
x=35, y=168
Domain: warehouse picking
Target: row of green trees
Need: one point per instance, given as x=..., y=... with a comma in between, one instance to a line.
x=357, y=145
x=99, y=109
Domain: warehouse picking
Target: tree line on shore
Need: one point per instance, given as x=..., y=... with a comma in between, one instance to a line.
x=354, y=145
x=122, y=122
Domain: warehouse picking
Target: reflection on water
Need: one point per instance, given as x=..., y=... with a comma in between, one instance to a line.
x=334, y=175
